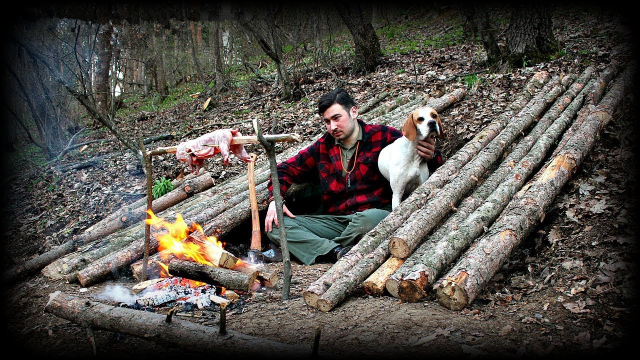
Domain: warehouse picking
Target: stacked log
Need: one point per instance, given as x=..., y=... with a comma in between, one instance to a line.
x=442, y=200
x=420, y=196
x=419, y=262
x=463, y=282
x=479, y=210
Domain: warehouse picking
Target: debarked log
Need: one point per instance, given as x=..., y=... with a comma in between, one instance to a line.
x=152, y=326
x=460, y=286
x=229, y=279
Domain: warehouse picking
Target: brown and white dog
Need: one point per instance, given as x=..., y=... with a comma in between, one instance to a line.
x=400, y=162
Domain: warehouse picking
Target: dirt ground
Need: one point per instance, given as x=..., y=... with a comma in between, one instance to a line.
x=568, y=290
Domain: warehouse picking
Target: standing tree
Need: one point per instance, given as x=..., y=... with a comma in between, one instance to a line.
x=269, y=38
x=529, y=37
x=366, y=42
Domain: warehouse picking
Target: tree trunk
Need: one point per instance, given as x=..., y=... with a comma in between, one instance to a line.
x=471, y=273
x=486, y=33
x=407, y=238
x=530, y=37
x=157, y=37
x=178, y=332
x=218, y=66
x=443, y=247
x=105, y=52
x=366, y=42
x=229, y=279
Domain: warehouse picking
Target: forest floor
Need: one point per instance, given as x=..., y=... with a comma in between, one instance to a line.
x=569, y=289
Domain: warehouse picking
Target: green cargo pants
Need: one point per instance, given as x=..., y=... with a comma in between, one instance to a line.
x=310, y=236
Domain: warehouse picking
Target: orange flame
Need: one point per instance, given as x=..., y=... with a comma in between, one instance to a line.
x=183, y=241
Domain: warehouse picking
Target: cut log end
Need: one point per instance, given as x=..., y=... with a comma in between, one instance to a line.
x=451, y=292
x=324, y=305
x=375, y=283
x=311, y=298
x=413, y=290
x=399, y=248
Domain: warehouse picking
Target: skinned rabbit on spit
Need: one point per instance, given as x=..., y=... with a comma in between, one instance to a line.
x=195, y=151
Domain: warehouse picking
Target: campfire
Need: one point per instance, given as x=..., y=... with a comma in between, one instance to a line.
x=193, y=268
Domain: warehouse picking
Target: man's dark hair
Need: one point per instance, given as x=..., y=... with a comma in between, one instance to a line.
x=339, y=96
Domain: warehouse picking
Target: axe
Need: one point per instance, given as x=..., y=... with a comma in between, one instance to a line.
x=255, y=249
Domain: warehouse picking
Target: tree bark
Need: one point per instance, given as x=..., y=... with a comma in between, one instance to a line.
x=229, y=279
x=366, y=42
x=471, y=273
x=442, y=248
x=105, y=53
x=530, y=37
x=148, y=325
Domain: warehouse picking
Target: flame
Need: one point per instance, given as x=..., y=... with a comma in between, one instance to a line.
x=184, y=242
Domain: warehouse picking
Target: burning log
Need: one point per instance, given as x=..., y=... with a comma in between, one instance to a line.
x=226, y=278
x=460, y=286
x=178, y=332
x=215, y=256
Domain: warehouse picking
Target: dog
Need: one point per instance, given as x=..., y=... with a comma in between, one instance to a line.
x=400, y=162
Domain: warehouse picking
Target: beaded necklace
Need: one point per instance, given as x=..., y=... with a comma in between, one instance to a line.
x=355, y=157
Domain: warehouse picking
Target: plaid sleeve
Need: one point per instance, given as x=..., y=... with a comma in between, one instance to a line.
x=298, y=169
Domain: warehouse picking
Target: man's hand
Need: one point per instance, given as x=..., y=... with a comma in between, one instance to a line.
x=427, y=148
x=272, y=216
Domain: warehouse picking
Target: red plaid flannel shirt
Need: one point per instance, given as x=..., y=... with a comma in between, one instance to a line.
x=321, y=161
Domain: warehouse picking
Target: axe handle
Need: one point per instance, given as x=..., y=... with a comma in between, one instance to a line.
x=256, y=242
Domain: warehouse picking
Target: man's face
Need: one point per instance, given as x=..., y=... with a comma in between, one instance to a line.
x=340, y=123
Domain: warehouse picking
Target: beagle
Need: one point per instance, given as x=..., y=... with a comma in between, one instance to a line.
x=400, y=162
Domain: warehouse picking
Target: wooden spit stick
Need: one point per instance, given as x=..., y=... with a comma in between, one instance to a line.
x=236, y=140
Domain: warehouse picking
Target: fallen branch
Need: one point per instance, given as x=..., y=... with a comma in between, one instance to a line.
x=229, y=279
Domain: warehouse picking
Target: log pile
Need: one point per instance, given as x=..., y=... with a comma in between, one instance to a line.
x=218, y=209
x=468, y=205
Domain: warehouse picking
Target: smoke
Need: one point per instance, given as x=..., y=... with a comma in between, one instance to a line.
x=118, y=293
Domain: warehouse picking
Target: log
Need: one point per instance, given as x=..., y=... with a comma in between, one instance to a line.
x=152, y=326
x=375, y=283
x=419, y=197
x=229, y=279
x=129, y=215
x=236, y=140
x=421, y=268
x=460, y=286
x=408, y=236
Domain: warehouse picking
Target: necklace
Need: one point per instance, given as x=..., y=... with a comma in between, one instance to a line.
x=355, y=160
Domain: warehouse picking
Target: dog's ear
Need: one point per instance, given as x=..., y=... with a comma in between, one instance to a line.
x=439, y=122
x=409, y=129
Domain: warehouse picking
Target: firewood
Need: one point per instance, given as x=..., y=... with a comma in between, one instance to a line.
x=452, y=166
x=375, y=283
x=226, y=278
x=219, y=300
x=480, y=209
x=460, y=286
x=144, y=284
x=179, y=332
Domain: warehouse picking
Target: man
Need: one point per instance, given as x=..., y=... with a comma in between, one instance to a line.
x=355, y=195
